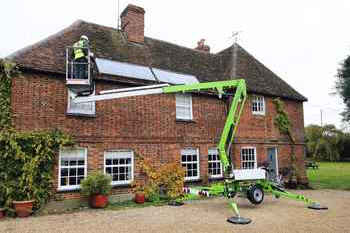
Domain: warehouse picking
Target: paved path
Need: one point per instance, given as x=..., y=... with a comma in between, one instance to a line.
x=201, y=216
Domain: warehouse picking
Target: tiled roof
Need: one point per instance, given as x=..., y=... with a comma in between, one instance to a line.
x=109, y=43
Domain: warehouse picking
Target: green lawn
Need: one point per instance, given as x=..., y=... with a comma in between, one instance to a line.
x=330, y=176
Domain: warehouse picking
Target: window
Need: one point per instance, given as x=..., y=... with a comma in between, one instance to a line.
x=81, y=108
x=119, y=164
x=190, y=161
x=258, y=105
x=214, y=164
x=72, y=168
x=248, y=158
x=184, y=107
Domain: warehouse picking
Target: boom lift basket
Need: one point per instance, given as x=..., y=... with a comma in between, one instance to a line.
x=73, y=81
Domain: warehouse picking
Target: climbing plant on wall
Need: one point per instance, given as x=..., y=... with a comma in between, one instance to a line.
x=26, y=158
x=285, y=127
x=7, y=71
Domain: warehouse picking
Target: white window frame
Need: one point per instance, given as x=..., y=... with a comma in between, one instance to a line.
x=70, y=187
x=249, y=160
x=189, y=96
x=184, y=152
x=215, y=151
x=81, y=111
x=259, y=100
x=116, y=183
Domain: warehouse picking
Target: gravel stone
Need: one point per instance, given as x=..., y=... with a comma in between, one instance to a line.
x=274, y=215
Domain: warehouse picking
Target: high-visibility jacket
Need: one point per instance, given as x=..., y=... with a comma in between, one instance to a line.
x=78, y=49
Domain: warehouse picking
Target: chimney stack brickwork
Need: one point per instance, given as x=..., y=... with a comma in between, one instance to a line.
x=133, y=23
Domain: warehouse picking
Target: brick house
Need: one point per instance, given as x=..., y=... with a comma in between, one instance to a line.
x=183, y=128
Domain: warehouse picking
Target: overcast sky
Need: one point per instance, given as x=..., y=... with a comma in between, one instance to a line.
x=301, y=41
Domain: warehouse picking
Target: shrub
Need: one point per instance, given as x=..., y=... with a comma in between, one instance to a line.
x=168, y=177
x=152, y=191
x=172, y=177
x=26, y=165
x=96, y=183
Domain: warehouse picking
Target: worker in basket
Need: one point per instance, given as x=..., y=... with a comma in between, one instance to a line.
x=80, y=57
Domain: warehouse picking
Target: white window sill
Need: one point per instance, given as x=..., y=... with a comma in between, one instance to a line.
x=81, y=114
x=216, y=177
x=70, y=188
x=184, y=119
x=116, y=184
x=192, y=178
x=259, y=113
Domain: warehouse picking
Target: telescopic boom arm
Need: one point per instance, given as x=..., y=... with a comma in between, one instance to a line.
x=222, y=87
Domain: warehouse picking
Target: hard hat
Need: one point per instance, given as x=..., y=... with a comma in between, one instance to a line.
x=84, y=37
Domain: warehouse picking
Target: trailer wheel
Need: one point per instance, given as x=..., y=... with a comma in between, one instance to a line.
x=255, y=195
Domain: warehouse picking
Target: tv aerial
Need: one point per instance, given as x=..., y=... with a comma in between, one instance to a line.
x=235, y=36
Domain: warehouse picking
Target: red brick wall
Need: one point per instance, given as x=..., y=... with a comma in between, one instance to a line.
x=146, y=124
x=257, y=127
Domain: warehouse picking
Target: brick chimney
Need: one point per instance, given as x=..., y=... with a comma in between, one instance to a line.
x=133, y=23
x=201, y=46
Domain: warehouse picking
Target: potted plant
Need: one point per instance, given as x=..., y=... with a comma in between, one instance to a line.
x=23, y=199
x=23, y=208
x=23, y=203
x=139, y=190
x=97, y=187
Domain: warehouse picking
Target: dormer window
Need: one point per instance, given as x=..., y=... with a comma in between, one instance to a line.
x=258, y=105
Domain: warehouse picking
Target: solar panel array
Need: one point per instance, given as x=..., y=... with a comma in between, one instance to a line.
x=129, y=70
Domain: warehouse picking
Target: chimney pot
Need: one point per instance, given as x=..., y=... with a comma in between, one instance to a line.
x=201, y=46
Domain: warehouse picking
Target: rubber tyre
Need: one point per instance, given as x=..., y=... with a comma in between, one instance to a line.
x=256, y=195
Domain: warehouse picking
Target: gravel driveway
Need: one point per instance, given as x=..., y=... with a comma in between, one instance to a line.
x=274, y=215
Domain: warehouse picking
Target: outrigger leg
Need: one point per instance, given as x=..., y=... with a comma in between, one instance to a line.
x=237, y=219
x=278, y=192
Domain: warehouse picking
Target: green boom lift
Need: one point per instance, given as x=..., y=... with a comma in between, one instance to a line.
x=251, y=183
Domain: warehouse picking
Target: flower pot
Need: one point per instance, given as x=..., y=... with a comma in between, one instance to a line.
x=140, y=198
x=23, y=208
x=2, y=213
x=98, y=201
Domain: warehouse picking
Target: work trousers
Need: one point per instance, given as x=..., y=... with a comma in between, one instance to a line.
x=81, y=68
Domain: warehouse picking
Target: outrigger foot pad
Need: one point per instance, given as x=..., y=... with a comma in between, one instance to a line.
x=317, y=206
x=175, y=203
x=239, y=220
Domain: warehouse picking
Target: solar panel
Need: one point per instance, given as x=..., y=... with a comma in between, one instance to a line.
x=142, y=72
x=124, y=69
x=174, y=78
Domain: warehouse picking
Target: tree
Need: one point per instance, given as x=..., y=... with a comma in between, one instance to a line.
x=342, y=86
x=325, y=143
x=313, y=135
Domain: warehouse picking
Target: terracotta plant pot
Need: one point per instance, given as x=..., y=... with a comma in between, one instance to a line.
x=23, y=208
x=98, y=201
x=2, y=213
x=140, y=198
